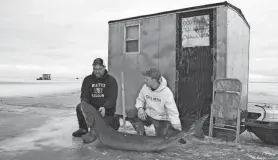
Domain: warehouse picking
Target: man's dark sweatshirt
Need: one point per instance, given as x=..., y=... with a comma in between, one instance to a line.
x=100, y=92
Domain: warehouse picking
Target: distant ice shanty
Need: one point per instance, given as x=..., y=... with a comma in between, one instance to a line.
x=46, y=76
x=192, y=47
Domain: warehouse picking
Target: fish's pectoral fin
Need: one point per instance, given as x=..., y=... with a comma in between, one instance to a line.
x=197, y=128
x=89, y=137
x=199, y=134
x=88, y=113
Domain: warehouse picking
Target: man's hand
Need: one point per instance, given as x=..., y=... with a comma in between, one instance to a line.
x=102, y=111
x=142, y=114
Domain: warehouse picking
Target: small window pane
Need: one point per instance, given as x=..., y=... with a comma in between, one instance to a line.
x=132, y=46
x=132, y=32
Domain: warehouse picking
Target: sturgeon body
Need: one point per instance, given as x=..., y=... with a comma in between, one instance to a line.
x=132, y=142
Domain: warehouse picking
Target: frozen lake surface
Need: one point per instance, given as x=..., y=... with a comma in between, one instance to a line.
x=29, y=87
x=40, y=117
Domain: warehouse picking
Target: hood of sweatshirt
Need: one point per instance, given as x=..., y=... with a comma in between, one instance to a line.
x=163, y=85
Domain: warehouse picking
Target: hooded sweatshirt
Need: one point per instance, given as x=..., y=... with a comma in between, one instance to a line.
x=159, y=104
x=100, y=92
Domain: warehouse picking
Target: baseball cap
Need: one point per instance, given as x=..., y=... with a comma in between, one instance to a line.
x=98, y=61
x=152, y=72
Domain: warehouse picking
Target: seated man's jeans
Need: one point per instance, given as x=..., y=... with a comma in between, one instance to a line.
x=113, y=121
x=162, y=127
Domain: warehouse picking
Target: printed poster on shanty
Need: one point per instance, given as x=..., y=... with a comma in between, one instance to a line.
x=195, y=31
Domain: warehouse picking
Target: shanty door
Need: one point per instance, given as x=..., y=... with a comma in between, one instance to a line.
x=194, y=63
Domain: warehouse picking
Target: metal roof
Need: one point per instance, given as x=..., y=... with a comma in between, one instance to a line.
x=213, y=5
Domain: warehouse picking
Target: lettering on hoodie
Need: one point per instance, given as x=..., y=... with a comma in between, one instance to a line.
x=98, y=90
x=153, y=98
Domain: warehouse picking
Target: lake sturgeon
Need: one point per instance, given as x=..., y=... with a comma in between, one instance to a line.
x=132, y=142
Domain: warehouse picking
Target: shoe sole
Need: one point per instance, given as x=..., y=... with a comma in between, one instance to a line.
x=79, y=135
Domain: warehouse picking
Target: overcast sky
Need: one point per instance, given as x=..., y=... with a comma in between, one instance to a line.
x=63, y=37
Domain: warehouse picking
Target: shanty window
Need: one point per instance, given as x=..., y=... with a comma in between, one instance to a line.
x=132, y=39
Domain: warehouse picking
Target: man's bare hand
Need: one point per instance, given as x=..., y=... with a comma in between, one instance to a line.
x=102, y=111
x=142, y=114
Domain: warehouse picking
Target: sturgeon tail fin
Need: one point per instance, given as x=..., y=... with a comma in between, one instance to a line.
x=88, y=112
x=197, y=128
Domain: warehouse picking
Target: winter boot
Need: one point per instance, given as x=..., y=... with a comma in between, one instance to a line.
x=79, y=132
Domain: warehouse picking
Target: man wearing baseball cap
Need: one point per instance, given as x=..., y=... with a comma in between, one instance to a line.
x=100, y=89
x=156, y=105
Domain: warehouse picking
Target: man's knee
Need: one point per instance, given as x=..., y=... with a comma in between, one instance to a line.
x=162, y=127
x=112, y=121
x=116, y=122
x=78, y=107
x=138, y=125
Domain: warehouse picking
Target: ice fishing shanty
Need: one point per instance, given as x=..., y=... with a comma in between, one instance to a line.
x=45, y=77
x=191, y=46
